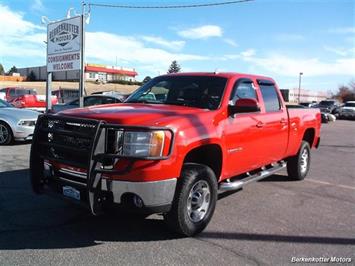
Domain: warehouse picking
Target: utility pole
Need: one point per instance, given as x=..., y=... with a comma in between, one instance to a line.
x=82, y=61
x=299, y=87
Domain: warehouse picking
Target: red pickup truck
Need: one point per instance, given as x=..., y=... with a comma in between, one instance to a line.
x=26, y=98
x=173, y=145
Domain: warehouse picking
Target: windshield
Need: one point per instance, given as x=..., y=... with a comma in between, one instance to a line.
x=195, y=91
x=4, y=104
x=349, y=104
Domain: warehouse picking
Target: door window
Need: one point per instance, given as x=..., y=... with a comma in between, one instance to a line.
x=271, y=98
x=243, y=89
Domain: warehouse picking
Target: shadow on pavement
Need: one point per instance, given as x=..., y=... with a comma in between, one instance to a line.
x=28, y=221
x=278, y=178
x=278, y=238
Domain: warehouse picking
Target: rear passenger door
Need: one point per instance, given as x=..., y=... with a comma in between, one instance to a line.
x=274, y=121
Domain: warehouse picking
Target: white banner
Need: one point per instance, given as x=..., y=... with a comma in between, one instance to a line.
x=63, y=45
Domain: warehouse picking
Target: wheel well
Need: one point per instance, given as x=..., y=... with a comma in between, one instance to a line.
x=309, y=136
x=210, y=155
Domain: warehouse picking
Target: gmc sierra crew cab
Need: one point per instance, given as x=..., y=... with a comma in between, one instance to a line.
x=173, y=145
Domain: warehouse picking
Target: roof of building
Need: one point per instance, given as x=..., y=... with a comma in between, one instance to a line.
x=111, y=71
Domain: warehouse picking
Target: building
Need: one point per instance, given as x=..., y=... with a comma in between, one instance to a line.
x=291, y=95
x=93, y=72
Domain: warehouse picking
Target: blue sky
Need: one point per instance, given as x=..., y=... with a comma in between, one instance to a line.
x=278, y=38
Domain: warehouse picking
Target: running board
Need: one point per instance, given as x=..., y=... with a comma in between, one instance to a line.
x=238, y=184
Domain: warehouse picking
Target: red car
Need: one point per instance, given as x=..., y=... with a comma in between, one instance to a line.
x=173, y=145
x=26, y=98
x=33, y=102
x=13, y=92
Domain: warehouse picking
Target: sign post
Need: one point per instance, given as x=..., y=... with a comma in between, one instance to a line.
x=65, y=50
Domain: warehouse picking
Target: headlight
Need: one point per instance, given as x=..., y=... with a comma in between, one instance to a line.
x=143, y=144
x=27, y=123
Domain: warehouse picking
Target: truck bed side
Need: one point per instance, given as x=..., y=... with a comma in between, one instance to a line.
x=303, y=124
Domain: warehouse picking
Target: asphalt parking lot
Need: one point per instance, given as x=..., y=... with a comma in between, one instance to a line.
x=268, y=223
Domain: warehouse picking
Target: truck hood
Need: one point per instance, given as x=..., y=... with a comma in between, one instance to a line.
x=135, y=114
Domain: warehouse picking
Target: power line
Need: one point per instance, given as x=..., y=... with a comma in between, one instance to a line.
x=170, y=6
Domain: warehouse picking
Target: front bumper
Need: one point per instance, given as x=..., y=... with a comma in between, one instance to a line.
x=23, y=132
x=71, y=153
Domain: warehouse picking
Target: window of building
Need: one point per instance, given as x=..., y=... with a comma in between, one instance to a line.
x=91, y=75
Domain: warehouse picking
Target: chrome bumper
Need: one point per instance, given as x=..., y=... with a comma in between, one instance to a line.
x=153, y=194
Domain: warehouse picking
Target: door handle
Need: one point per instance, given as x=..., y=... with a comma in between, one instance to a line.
x=260, y=124
x=283, y=121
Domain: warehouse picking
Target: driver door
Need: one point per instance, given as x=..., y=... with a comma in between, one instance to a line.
x=242, y=131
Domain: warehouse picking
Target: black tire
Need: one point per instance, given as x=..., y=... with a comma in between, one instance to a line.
x=5, y=140
x=298, y=165
x=193, y=221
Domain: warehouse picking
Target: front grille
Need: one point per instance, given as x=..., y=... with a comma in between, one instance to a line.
x=67, y=139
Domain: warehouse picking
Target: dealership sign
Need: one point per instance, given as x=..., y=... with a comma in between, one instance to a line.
x=63, y=45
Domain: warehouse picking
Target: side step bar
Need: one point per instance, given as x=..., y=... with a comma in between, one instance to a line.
x=240, y=183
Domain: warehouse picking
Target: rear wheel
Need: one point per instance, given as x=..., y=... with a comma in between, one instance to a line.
x=195, y=200
x=6, y=136
x=298, y=165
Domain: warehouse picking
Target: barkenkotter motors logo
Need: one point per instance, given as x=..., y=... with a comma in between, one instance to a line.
x=64, y=33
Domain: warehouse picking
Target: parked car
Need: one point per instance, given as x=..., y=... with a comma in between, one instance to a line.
x=329, y=106
x=118, y=95
x=201, y=133
x=16, y=124
x=32, y=102
x=14, y=92
x=88, y=101
x=348, y=110
x=307, y=104
x=66, y=95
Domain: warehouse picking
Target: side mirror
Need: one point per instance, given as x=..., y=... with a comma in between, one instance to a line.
x=246, y=105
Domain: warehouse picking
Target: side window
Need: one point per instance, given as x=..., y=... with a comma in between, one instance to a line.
x=12, y=92
x=108, y=100
x=271, y=98
x=242, y=90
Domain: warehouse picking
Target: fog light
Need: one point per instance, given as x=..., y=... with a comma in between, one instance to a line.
x=137, y=201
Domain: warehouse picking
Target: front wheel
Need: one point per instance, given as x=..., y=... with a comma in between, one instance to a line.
x=298, y=165
x=195, y=200
x=6, y=136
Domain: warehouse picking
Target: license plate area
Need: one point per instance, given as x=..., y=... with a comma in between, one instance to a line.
x=71, y=192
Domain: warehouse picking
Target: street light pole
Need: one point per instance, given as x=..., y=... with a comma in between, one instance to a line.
x=299, y=87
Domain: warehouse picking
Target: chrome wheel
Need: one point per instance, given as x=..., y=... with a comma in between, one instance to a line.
x=198, y=201
x=304, y=161
x=4, y=134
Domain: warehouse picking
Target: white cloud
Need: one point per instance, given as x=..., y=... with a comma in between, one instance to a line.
x=288, y=66
x=342, y=30
x=172, y=45
x=248, y=53
x=37, y=5
x=289, y=37
x=340, y=51
x=231, y=42
x=202, y=32
x=131, y=50
x=22, y=38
